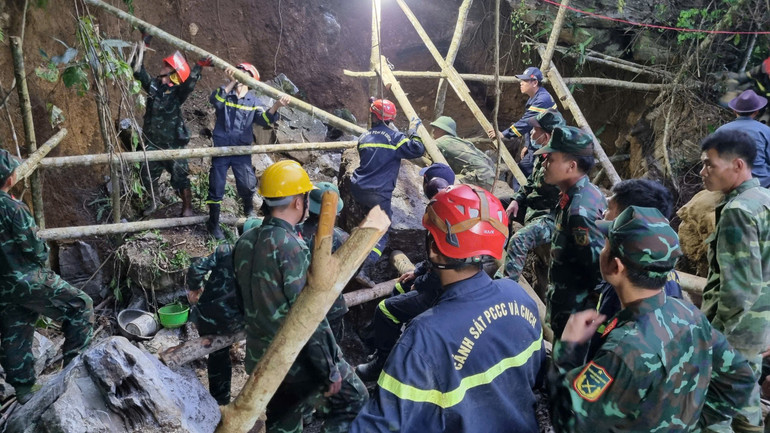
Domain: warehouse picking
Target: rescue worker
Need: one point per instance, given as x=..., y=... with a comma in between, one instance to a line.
x=216, y=310
x=471, y=165
x=746, y=108
x=662, y=366
x=539, y=102
x=308, y=230
x=471, y=362
x=164, y=126
x=380, y=150
x=271, y=263
x=415, y=291
x=736, y=297
x=537, y=197
x=29, y=289
x=237, y=109
x=641, y=193
x=576, y=243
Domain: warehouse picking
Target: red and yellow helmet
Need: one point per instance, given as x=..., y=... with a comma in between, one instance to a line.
x=383, y=109
x=181, y=69
x=466, y=222
x=248, y=67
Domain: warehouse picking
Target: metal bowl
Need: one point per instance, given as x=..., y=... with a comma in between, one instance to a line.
x=127, y=316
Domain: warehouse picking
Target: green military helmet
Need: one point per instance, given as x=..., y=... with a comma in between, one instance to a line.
x=643, y=238
x=548, y=120
x=447, y=124
x=569, y=139
x=8, y=164
x=252, y=223
x=316, y=196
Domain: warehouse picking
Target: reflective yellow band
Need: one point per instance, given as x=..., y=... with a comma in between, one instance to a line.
x=400, y=288
x=213, y=201
x=538, y=109
x=454, y=397
x=238, y=106
x=378, y=252
x=515, y=131
x=387, y=313
x=382, y=145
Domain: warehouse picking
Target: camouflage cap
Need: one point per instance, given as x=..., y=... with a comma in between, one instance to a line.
x=8, y=164
x=643, y=238
x=569, y=139
x=316, y=196
x=547, y=120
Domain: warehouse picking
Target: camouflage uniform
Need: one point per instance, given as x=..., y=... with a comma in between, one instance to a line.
x=661, y=367
x=339, y=308
x=470, y=164
x=271, y=265
x=217, y=312
x=736, y=298
x=164, y=126
x=27, y=290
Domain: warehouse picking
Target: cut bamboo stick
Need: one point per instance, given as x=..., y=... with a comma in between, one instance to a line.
x=454, y=47
x=374, y=58
x=79, y=232
x=553, y=39
x=31, y=164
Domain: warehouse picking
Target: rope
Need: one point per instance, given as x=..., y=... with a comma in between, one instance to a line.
x=654, y=26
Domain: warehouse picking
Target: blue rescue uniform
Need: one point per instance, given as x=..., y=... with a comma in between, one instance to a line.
x=235, y=117
x=468, y=364
x=541, y=102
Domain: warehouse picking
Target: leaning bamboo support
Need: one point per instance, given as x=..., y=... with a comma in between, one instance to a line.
x=29, y=125
x=454, y=47
x=374, y=57
x=327, y=276
x=202, y=152
x=463, y=92
x=401, y=262
x=541, y=310
x=566, y=98
x=390, y=81
x=33, y=162
x=553, y=39
x=220, y=63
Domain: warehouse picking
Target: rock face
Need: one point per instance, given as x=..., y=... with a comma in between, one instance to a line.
x=78, y=263
x=115, y=387
x=698, y=222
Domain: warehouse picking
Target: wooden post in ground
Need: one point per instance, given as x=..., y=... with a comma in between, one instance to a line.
x=553, y=39
x=566, y=98
x=463, y=92
x=327, y=276
x=29, y=126
x=30, y=164
x=454, y=47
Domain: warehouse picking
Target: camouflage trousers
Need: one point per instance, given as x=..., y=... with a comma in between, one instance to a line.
x=537, y=232
x=749, y=418
x=474, y=178
x=220, y=373
x=178, y=170
x=22, y=300
x=294, y=399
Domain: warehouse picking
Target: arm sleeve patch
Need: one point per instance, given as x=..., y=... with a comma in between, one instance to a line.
x=591, y=383
x=581, y=236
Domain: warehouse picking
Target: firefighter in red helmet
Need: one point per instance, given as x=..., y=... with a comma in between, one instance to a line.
x=455, y=365
x=164, y=126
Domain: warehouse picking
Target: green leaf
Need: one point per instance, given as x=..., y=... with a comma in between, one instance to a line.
x=48, y=73
x=55, y=115
x=77, y=77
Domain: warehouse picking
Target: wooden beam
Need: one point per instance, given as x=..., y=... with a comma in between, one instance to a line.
x=553, y=39
x=454, y=47
x=30, y=164
x=463, y=92
x=567, y=100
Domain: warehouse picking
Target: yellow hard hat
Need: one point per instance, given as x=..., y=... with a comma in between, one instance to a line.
x=284, y=179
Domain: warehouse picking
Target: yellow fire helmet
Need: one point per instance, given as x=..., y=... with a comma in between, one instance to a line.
x=284, y=179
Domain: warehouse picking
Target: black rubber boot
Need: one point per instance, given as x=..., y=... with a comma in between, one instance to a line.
x=213, y=223
x=248, y=208
x=370, y=371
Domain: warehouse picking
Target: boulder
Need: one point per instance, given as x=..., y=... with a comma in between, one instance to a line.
x=115, y=387
x=698, y=222
x=79, y=265
x=144, y=259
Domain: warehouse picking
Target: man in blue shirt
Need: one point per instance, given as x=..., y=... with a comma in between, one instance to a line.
x=746, y=107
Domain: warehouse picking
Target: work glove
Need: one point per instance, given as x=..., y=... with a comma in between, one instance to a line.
x=205, y=62
x=415, y=123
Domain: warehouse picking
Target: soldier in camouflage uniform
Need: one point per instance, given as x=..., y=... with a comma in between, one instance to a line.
x=216, y=310
x=28, y=289
x=271, y=264
x=539, y=199
x=661, y=367
x=576, y=243
x=164, y=126
x=736, y=298
x=308, y=230
x=471, y=165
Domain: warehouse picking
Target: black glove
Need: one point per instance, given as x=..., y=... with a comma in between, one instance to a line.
x=146, y=39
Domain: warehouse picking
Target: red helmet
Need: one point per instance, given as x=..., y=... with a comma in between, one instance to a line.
x=181, y=69
x=383, y=109
x=248, y=67
x=766, y=66
x=467, y=221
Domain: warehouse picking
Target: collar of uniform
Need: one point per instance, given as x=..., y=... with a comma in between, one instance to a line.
x=469, y=285
x=273, y=221
x=580, y=184
x=641, y=307
x=751, y=183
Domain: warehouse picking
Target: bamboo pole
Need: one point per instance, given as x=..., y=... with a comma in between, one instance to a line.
x=401, y=262
x=553, y=39
x=566, y=98
x=451, y=55
x=201, y=152
x=390, y=81
x=647, y=69
x=496, y=109
x=374, y=58
x=101, y=106
x=327, y=276
x=29, y=126
x=239, y=75
x=541, y=310
x=463, y=92
x=32, y=163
